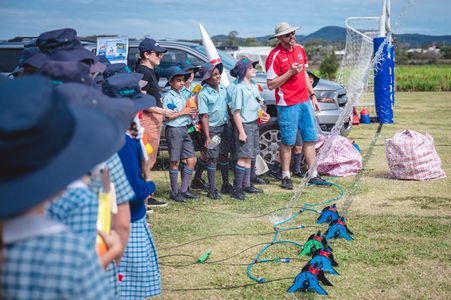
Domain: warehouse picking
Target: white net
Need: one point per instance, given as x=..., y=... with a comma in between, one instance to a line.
x=354, y=73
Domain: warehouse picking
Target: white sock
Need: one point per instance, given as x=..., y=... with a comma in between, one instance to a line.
x=286, y=174
x=314, y=174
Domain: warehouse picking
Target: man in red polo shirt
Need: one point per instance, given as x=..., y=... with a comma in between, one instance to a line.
x=286, y=72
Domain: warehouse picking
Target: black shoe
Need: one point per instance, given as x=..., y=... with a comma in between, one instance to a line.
x=152, y=202
x=319, y=181
x=178, y=197
x=238, y=194
x=227, y=189
x=287, y=184
x=189, y=195
x=259, y=180
x=215, y=195
x=299, y=174
x=252, y=190
x=199, y=184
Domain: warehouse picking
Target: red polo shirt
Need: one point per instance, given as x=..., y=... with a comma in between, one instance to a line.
x=279, y=61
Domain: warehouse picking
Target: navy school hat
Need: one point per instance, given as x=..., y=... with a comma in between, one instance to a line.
x=123, y=110
x=46, y=142
x=207, y=69
x=112, y=69
x=151, y=45
x=189, y=66
x=175, y=71
x=66, y=71
x=29, y=50
x=239, y=71
x=74, y=54
x=128, y=85
x=58, y=39
x=315, y=78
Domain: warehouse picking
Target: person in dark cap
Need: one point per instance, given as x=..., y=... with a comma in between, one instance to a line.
x=150, y=54
x=29, y=50
x=213, y=104
x=41, y=258
x=246, y=110
x=180, y=145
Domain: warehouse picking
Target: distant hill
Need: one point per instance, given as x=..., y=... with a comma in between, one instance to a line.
x=338, y=35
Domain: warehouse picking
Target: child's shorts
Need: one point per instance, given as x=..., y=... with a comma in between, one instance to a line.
x=180, y=145
x=250, y=149
x=224, y=147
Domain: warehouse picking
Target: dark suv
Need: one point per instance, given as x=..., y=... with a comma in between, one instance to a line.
x=179, y=52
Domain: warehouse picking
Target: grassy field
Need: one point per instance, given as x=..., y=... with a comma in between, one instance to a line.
x=401, y=247
x=423, y=78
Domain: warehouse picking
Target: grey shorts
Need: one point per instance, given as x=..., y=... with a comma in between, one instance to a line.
x=251, y=148
x=179, y=142
x=224, y=147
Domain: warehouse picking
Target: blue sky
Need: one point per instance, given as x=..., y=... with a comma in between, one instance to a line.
x=179, y=19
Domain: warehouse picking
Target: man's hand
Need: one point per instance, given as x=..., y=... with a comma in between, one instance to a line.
x=315, y=104
x=295, y=68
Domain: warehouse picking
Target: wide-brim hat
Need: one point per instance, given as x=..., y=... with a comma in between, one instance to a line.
x=176, y=71
x=239, y=71
x=73, y=54
x=207, y=69
x=47, y=143
x=189, y=66
x=67, y=71
x=315, y=78
x=121, y=109
x=282, y=29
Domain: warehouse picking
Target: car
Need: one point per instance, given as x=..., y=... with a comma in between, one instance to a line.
x=179, y=52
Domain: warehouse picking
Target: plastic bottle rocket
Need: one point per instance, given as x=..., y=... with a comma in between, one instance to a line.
x=212, y=53
x=365, y=116
x=214, y=142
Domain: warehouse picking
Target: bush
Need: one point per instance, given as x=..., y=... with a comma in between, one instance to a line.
x=329, y=67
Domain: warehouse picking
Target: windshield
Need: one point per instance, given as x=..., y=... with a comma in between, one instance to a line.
x=227, y=60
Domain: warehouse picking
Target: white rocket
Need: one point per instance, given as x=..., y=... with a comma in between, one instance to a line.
x=212, y=53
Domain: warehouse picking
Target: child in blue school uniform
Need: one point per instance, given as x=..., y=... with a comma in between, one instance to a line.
x=43, y=259
x=180, y=145
x=245, y=107
x=213, y=104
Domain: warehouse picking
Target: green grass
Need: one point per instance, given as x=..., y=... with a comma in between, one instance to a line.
x=423, y=78
x=401, y=246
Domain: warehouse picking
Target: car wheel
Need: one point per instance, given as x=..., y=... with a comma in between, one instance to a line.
x=270, y=141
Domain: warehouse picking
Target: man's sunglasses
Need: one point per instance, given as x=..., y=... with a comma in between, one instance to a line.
x=289, y=34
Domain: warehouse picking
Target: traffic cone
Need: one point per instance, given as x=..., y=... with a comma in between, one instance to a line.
x=365, y=116
x=355, y=117
x=212, y=53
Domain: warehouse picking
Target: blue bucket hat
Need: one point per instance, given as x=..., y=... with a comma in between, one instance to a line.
x=66, y=71
x=128, y=85
x=112, y=69
x=60, y=45
x=315, y=78
x=46, y=142
x=239, y=71
x=121, y=109
x=207, y=69
x=189, y=66
x=147, y=45
x=175, y=71
x=29, y=50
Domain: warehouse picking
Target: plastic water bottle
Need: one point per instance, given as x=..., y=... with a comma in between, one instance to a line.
x=214, y=142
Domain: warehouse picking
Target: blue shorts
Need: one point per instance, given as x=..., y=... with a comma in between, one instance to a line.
x=299, y=116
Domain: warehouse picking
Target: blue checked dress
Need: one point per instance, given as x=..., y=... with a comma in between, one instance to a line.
x=77, y=209
x=43, y=260
x=139, y=264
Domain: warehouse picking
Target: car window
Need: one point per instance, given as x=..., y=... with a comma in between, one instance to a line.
x=176, y=57
x=227, y=60
x=10, y=59
x=133, y=54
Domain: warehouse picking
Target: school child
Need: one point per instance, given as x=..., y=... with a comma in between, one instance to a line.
x=245, y=108
x=213, y=105
x=187, y=88
x=41, y=258
x=180, y=145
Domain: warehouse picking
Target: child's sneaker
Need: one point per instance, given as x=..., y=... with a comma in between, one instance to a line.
x=177, y=197
x=252, y=190
x=227, y=189
x=199, y=184
x=189, y=195
x=215, y=195
x=152, y=202
x=319, y=181
x=238, y=194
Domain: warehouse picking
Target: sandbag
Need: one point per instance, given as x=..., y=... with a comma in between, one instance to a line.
x=412, y=156
x=338, y=157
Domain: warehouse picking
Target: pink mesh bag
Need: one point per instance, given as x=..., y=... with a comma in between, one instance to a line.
x=412, y=155
x=339, y=157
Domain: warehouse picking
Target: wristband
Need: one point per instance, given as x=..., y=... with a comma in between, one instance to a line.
x=313, y=94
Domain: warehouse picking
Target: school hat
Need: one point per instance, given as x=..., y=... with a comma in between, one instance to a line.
x=29, y=50
x=239, y=71
x=175, y=71
x=66, y=71
x=315, y=78
x=123, y=110
x=151, y=45
x=112, y=69
x=207, y=69
x=189, y=66
x=128, y=85
x=282, y=29
x=46, y=142
x=60, y=45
